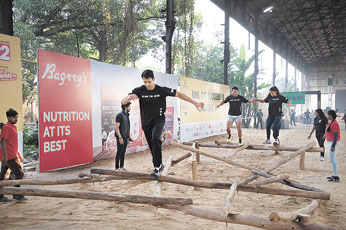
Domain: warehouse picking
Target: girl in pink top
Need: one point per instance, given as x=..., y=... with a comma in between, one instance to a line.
x=333, y=137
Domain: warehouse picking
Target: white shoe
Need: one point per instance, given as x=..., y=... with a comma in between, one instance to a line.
x=321, y=158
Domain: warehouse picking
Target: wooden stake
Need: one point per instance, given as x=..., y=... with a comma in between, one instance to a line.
x=237, y=150
x=287, y=182
x=198, y=156
x=158, y=186
x=194, y=172
x=300, y=215
x=302, y=161
x=95, y=196
x=226, y=209
x=211, y=156
x=212, y=185
x=183, y=157
x=270, y=180
x=254, y=221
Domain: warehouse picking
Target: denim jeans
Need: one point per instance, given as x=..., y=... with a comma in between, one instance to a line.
x=276, y=122
x=153, y=135
x=332, y=157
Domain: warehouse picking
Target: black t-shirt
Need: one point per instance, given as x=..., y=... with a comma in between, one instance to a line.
x=320, y=124
x=153, y=103
x=235, y=104
x=124, y=128
x=275, y=104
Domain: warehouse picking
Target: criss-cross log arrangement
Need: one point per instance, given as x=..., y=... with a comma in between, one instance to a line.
x=298, y=219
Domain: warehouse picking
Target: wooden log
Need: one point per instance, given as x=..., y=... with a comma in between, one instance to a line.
x=57, y=182
x=226, y=209
x=194, y=172
x=211, y=156
x=86, y=174
x=183, y=157
x=213, y=185
x=287, y=182
x=270, y=180
x=31, y=164
x=302, y=161
x=227, y=145
x=281, y=162
x=254, y=221
x=95, y=196
x=237, y=150
x=158, y=186
x=198, y=156
x=300, y=215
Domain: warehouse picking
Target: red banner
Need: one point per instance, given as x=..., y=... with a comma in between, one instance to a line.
x=64, y=111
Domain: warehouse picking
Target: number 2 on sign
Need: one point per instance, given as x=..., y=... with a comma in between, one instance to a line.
x=4, y=52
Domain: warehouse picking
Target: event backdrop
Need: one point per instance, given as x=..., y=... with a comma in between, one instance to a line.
x=11, y=82
x=78, y=104
x=194, y=124
x=110, y=84
x=65, y=117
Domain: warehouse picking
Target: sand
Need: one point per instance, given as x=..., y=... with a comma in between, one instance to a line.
x=58, y=213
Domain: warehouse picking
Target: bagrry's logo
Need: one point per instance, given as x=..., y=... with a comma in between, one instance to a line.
x=50, y=73
x=7, y=76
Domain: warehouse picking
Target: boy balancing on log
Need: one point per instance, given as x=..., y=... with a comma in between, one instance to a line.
x=152, y=102
x=234, y=113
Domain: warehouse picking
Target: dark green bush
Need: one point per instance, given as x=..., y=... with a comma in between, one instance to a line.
x=30, y=142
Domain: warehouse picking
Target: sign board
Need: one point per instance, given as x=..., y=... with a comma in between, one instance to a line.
x=65, y=116
x=295, y=97
x=210, y=122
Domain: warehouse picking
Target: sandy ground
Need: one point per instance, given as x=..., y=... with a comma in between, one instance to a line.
x=58, y=213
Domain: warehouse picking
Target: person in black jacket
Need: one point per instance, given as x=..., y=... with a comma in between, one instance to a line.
x=122, y=134
x=320, y=124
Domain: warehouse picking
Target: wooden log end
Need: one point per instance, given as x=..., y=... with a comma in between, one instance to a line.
x=303, y=218
x=274, y=217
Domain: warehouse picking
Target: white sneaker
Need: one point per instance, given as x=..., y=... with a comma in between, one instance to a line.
x=321, y=158
x=267, y=142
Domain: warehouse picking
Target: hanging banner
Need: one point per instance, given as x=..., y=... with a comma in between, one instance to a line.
x=65, y=116
x=11, y=82
x=210, y=122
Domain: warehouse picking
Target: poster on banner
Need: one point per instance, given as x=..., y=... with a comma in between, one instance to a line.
x=110, y=84
x=210, y=122
x=11, y=82
x=65, y=116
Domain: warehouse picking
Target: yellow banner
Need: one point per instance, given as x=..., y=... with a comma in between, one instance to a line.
x=10, y=78
x=209, y=93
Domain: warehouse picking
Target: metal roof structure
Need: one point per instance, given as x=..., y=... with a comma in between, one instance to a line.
x=305, y=32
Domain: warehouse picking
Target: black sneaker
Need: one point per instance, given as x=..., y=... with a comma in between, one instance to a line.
x=156, y=173
x=334, y=179
x=5, y=199
x=329, y=177
x=19, y=198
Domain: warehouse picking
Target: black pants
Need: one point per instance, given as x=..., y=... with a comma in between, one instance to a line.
x=319, y=137
x=275, y=122
x=259, y=121
x=153, y=135
x=293, y=121
x=120, y=157
x=16, y=169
